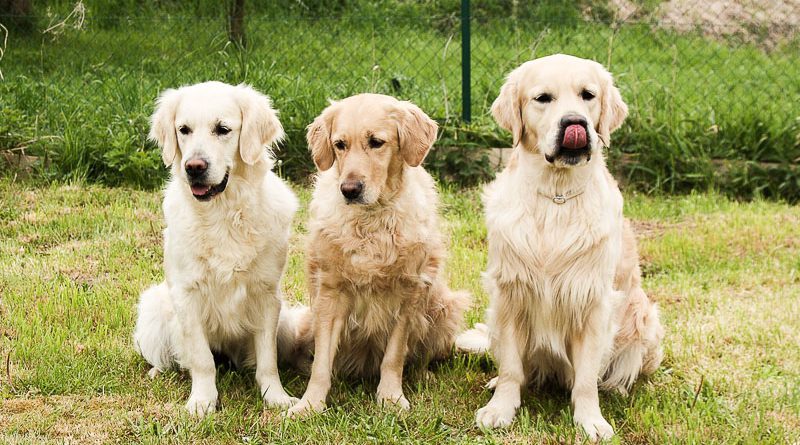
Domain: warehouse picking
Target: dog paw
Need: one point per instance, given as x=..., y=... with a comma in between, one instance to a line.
x=491, y=384
x=495, y=416
x=393, y=399
x=201, y=406
x=279, y=399
x=153, y=372
x=303, y=408
x=595, y=427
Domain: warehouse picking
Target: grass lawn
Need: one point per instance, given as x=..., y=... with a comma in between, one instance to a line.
x=73, y=259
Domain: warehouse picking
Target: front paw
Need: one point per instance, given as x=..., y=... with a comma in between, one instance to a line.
x=595, y=427
x=495, y=415
x=395, y=398
x=277, y=398
x=201, y=406
x=304, y=407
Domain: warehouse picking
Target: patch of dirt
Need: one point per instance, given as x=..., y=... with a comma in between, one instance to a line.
x=73, y=419
x=648, y=228
x=764, y=22
x=625, y=9
x=86, y=274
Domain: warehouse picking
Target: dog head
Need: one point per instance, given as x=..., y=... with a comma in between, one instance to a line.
x=207, y=130
x=560, y=106
x=368, y=139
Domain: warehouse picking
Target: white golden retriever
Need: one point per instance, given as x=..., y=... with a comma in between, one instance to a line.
x=379, y=297
x=228, y=220
x=563, y=271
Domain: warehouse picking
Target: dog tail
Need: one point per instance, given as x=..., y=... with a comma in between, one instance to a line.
x=475, y=340
x=152, y=337
x=446, y=315
x=295, y=336
x=637, y=345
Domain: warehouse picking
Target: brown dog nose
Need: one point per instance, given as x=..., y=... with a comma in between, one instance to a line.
x=352, y=189
x=196, y=167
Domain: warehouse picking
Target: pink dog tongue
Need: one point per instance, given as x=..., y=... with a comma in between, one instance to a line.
x=574, y=137
x=200, y=190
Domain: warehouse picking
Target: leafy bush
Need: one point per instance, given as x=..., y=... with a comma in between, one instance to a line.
x=704, y=114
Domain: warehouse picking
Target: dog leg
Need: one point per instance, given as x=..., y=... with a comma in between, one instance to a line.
x=390, y=388
x=500, y=410
x=330, y=320
x=195, y=355
x=266, y=350
x=587, y=351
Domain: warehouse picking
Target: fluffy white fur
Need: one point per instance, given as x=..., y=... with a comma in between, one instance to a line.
x=223, y=257
x=564, y=280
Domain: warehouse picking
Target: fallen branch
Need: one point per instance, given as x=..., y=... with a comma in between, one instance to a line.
x=8, y=368
x=697, y=392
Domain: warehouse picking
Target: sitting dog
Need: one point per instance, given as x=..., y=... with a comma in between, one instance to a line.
x=228, y=221
x=563, y=270
x=375, y=254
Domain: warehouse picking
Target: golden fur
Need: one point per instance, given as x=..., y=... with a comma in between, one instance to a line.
x=376, y=263
x=563, y=277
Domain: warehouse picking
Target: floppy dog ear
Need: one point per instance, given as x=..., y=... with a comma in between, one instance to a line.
x=260, y=124
x=162, y=125
x=416, y=134
x=319, y=139
x=506, y=110
x=613, y=110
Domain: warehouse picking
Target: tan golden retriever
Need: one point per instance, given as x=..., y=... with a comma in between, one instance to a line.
x=375, y=253
x=563, y=270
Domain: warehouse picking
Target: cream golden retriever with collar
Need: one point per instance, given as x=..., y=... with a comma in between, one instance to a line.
x=563, y=271
x=228, y=220
x=375, y=255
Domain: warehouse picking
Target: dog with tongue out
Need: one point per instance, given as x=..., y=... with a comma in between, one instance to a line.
x=228, y=220
x=563, y=272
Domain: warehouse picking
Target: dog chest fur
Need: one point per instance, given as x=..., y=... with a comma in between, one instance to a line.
x=249, y=237
x=389, y=241
x=384, y=256
x=552, y=263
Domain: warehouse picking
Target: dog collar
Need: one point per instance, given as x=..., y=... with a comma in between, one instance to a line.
x=560, y=198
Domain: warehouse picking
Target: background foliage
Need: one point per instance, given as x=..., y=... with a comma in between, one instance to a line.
x=713, y=104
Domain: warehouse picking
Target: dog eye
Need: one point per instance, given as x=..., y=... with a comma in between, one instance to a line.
x=184, y=129
x=221, y=130
x=543, y=98
x=340, y=145
x=587, y=95
x=375, y=143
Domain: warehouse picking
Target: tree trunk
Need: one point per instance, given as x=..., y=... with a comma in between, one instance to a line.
x=19, y=12
x=236, y=22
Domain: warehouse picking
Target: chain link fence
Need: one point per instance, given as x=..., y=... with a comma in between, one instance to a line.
x=712, y=85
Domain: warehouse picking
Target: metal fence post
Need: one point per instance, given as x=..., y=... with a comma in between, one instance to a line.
x=466, y=66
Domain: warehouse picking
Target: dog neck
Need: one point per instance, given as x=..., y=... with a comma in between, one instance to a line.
x=559, y=184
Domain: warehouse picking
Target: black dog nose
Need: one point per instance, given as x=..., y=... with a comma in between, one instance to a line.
x=352, y=189
x=196, y=167
x=573, y=119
